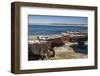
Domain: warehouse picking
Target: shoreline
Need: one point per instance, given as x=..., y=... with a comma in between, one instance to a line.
x=66, y=52
x=49, y=36
x=62, y=52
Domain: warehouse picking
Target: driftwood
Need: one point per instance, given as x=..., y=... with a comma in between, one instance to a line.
x=39, y=48
x=56, y=42
x=46, y=48
x=42, y=50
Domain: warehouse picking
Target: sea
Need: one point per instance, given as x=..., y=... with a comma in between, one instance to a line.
x=53, y=29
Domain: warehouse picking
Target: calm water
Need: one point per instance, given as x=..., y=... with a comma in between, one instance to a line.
x=49, y=29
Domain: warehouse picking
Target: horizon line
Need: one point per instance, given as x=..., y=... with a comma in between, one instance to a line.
x=59, y=23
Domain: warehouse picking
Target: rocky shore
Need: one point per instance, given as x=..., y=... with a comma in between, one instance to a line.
x=66, y=52
x=61, y=52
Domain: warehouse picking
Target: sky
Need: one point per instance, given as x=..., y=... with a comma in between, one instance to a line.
x=42, y=19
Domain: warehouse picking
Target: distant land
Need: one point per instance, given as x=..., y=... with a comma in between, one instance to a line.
x=66, y=24
x=57, y=24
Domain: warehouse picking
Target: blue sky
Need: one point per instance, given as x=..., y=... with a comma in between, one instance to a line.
x=40, y=19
